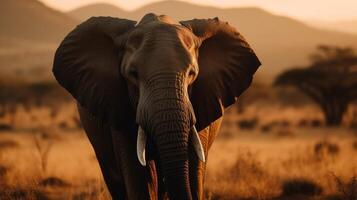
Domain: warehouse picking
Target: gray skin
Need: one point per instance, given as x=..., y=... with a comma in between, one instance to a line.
x=163, y=76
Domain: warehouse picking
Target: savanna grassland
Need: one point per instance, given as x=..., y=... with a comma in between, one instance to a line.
x=273, y=145
x=262, y=152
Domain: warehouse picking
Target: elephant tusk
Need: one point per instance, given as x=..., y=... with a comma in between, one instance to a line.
x=140, y=146
x=198, y=145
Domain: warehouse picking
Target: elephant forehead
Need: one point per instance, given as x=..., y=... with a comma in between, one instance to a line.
x=157, y=35
x=167, y=43
x=151, y=17
x=162, y=32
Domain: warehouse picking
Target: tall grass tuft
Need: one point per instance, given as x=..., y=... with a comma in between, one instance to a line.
x=43, y=146
x=299, y=186
x=347, y=189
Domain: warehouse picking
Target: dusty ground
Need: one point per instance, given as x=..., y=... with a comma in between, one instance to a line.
x=285, y=156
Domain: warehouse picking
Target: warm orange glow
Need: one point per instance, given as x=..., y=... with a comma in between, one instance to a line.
x=329, y=10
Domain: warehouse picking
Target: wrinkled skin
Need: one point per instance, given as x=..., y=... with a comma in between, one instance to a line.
x=159, y=75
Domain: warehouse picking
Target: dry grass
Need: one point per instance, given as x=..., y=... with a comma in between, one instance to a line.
x=256, y=156
x=55, y=168
x=272, y=167
x=348, y=189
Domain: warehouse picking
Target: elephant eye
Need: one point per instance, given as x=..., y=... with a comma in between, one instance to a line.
x=133, y=73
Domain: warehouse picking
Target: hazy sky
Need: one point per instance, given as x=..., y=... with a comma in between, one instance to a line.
x=327, y=10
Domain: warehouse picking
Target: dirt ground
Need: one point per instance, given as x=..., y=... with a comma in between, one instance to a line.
x=288, y=156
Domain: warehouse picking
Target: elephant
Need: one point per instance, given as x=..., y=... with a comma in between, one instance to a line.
x=151, y=96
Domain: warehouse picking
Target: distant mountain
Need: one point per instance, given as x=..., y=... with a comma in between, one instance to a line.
x=31, y=20
x=100, y=9
x=347, y=26
x=29, y=34
x=281, y=42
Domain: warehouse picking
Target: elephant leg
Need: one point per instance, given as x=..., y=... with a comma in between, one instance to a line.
x=213, y=132
x=152, y=180
x=197, y=167
x=100, y=137
x=140, y=182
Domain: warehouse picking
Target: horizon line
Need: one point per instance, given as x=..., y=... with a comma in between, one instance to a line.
x=300, y=18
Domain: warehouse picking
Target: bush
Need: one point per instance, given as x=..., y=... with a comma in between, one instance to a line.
x=54, y=182
x=247, y=123
x=266, y=128
x=5, y=127
x=348, y=189
x=285, y=132
x=3, y=171
x=246, y=178
x=284, y=123
x=246, y=167
x=315, y=123
x=63, y=125
x=300, y=187
x=303, y=123
x=354, y=145
x=326, y=148
x=5, y=144
x=19, y=193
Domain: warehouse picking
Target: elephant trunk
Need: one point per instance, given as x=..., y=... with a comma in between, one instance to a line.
x=174, y=165
x=169, y=121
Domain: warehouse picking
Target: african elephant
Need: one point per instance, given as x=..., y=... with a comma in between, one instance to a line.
x=151, y=96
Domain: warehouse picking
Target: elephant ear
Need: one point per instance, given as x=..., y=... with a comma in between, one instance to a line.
x=226, y=67
x=87, y=65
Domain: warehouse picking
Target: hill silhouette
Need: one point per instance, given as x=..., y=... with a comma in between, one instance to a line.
x=279, y=41
x=347, y=26
x=31, y=31
x=99, y=9
x=31, y=20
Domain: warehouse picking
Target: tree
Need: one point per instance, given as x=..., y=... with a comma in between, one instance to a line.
x=10, y=95
x=330, y=80
x=15, y=93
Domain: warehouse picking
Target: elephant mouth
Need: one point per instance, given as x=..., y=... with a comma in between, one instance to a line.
x=142, y=144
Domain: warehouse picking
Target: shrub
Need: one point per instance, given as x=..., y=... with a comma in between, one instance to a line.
x=245, y=167
x=266, y=128
x=43, y=146
x=5, y=127
x=245, y=179
x=247, y=123
x=354, y=145
x=3, y=171
x=284, y=123
x=316, y=123
x=300, y=186
x=347, y=189
x=63, y=125
x=226, y=134
x=5, y=144
x=326, y=148
x=285, y=132
x=19, y=193
x=54, y=182
x=303, y=123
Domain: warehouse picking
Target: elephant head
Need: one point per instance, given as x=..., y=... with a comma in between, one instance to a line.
x=170, y=78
